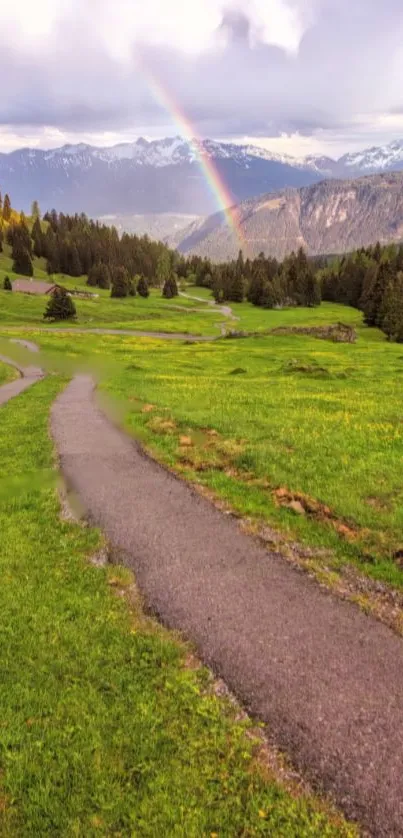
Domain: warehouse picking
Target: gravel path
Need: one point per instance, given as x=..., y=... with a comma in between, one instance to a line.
x=29, y=375
x=326, y=678
x=225, y=310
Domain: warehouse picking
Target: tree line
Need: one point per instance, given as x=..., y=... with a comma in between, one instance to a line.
x=76, y=245
x=262, y=281
x=370, y=279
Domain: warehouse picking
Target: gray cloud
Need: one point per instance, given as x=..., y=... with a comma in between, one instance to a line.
x=349, y=66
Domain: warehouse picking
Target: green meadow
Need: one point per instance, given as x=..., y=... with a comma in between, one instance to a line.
x=295, y=418
x=152, y=314
x=103, y=728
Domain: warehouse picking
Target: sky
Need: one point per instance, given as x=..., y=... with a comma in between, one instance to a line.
x=295, y=76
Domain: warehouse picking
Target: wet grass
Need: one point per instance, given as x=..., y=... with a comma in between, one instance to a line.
x=103, y=730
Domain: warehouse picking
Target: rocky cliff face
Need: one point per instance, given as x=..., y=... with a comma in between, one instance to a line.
x=328, y=217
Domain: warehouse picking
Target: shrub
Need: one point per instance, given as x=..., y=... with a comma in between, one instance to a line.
x=120, y=283
x=60, y=306
x=142, y=287
x=7, y=284
x=170, y=288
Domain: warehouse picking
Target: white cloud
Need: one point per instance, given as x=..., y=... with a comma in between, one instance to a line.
x=188, y=25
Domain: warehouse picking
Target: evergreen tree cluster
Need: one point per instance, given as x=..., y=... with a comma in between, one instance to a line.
x=263, y=281
x=370, y=279
x=76, y=245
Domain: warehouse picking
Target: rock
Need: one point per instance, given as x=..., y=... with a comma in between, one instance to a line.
x=296, y=507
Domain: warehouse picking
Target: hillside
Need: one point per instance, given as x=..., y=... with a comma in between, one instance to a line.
x=328, y=217
x=164, y=176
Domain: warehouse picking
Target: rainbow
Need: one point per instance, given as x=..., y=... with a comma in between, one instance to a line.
x=211, y=174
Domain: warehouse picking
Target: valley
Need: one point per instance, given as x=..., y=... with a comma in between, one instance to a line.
x=172, y=443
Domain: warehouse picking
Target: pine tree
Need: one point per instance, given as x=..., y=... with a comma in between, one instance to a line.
x=22, y=263
x=391, y=312
x=35, y=211
x=268, y=298
x=7, y=208
x=7, y=284
x=374, y=288
x=60, y=306
x=74, y=267
x=257, y=283
x=163, y=270
x=312, y=291
x=237, y=288
x=104, y=277
x=142, y=287
x=120, y=282
x=170, y=288
x=37, y=238
x=93, y=274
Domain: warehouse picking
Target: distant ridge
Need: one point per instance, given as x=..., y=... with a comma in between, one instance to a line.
x=333, y=216
x=163, y=176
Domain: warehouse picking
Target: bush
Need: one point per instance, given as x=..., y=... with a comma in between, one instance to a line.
x=7, y=284
x=142, y=287
x=60, y=306
x=120, y=283
x=170, y=288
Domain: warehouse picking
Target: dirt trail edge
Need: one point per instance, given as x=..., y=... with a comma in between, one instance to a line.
x=326, y=678
x=29, y=375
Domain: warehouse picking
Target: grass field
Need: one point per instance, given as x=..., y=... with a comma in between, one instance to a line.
x=106, y=731
x=103, y=730
x=297, y=418
x=7, y=373
x=152, y=314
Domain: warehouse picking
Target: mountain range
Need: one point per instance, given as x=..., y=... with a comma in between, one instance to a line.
x=164, y=176
x=333, y=216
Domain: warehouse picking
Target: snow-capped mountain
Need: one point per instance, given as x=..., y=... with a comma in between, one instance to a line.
x=165, y=176
x=377, y=159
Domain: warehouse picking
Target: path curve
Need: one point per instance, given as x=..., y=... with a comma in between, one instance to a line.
x=29, y=375
x=327, y=678
x=225, y=310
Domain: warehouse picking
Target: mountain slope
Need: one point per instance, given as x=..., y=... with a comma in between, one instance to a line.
x=144, y=177
x=328, y=217
x=164, y=176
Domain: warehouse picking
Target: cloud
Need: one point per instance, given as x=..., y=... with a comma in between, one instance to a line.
x=286, y=66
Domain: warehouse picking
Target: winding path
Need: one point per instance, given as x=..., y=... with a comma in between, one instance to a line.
x=29, y=375
x=326, y=678
x=226, y=311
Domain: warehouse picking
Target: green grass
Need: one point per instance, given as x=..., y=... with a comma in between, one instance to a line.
x=313, y=417
x=103, y=731
x=7, y=373
x=154, y=314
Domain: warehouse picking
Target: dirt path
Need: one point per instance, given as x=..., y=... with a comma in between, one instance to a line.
x=225, y=310
x=326, y=678
x=29, y=375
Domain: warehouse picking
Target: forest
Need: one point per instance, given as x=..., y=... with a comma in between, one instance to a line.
x=369, y=279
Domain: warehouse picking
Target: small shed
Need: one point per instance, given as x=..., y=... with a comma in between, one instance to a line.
x=33, y=286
